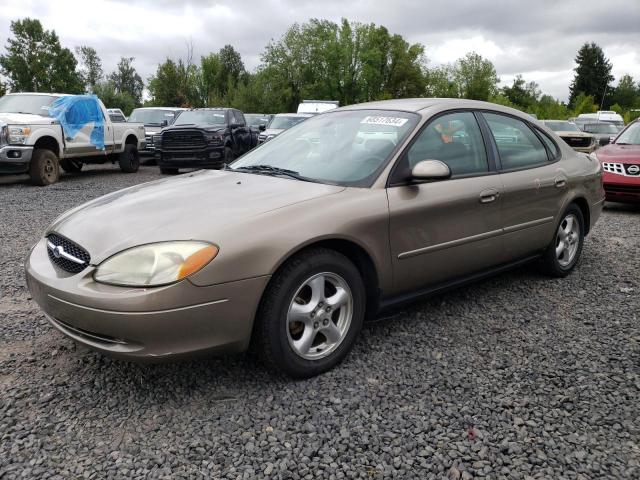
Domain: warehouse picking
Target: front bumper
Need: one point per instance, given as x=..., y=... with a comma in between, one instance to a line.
x=621, y=188
x=15, y=158
x=211, y=157
x=145, y=324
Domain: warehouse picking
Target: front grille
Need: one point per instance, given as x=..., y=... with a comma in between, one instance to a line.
x=613, y=168
x=579, y=142
x=183, y=139
x=59, y=250
x=149, y=142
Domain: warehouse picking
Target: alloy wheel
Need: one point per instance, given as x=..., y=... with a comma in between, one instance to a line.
x=319, y=316
x=567, y=240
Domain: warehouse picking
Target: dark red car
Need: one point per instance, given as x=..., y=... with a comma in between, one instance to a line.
x=621, y=164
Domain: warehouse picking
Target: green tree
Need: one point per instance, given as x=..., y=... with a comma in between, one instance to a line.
x=112, y=98
x=125, y=80
x=441, y=82
x=584, y=104
x=476, y=77
x=523, y=94
x=35, y=61
x=627, y=93
x=90, y=67
x=593, y=74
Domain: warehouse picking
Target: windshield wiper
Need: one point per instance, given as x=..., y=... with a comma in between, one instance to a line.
x=270, y=170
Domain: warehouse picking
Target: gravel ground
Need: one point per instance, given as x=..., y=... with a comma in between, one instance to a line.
x=519, y=376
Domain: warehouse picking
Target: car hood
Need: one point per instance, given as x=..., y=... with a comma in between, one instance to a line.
x=199, y=126
x=571, y=133
x=152, y=129
x=619, y=153
x=273, y=131
x=194, y=206
x=25, y=119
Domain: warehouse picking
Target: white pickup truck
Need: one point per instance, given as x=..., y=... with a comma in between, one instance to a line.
x=41, y=132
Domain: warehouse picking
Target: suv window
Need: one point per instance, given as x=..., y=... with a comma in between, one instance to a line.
x=517, y=145
x=454, y=139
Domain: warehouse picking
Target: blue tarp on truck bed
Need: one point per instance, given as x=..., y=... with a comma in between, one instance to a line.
x=74, y=112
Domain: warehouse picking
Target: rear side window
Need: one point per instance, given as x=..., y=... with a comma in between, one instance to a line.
x=518, y=145
x=554, y=151
x=454, y=139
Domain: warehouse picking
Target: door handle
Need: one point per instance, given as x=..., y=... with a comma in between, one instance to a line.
x=560, y=182
x=488, y=196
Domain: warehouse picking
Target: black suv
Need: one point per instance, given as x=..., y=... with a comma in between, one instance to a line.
x=203, y=138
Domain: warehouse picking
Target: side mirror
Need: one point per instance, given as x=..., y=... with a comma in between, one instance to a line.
x=430, y=170
x=262, y=127
x=164, y=123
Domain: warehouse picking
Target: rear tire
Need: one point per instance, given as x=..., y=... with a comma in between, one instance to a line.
x=565, y=249
x=310, y=314
x=70, y=166
x=129, y=159
x=168, y=171
x=44, y=169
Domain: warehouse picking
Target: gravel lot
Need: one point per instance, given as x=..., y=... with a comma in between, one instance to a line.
x=517, y=377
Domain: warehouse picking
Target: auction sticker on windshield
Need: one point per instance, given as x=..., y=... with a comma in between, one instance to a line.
x=393, y=121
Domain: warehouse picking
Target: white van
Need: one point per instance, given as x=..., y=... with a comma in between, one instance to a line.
x=603, y=116
x=317, y=106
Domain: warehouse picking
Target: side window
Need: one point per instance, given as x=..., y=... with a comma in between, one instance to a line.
x=454, y=139
x=240, y=118
x=554, y=151
x=517, y=145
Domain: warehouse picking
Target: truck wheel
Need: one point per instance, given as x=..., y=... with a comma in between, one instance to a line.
x=228, y=155
x=168, y=171
x=44, y=169
x=129, y=159
x=70, y=166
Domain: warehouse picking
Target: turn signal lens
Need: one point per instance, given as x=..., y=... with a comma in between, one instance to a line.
x=196, y=261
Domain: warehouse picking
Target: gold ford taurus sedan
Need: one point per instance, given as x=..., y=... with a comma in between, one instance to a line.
x=295, y=244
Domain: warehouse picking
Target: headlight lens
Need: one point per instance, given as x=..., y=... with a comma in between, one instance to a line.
x=155, y=264
x=18, y=135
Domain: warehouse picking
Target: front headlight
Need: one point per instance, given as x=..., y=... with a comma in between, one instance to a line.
x=155, y=264
x=18, y=134
x=4, y=135
x=213, y=137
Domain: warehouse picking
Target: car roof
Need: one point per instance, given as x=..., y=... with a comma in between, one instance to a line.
x=42, y=94
x=305, y=115
x=418, y=104
x=161, y=108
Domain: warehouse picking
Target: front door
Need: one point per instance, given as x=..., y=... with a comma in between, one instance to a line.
x=83, y=128
x=445, y=230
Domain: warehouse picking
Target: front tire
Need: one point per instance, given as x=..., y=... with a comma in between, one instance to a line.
x=129, y=159
x=311, y=313
x=44, y=169
x=565, y=249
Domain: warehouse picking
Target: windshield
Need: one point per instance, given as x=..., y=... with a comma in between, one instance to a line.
x=562, y=126
x=283, y=122
x=344, y=148
x=601, y=128
x=255, y=119
x=631, y=136
x=33, y=104
x=192, y=117
x=151, y=117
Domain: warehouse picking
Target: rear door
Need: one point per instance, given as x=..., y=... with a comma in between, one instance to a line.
x=534, y=183
x=444, y=230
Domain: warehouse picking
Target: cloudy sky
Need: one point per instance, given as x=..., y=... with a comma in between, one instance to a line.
x=538, y=38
